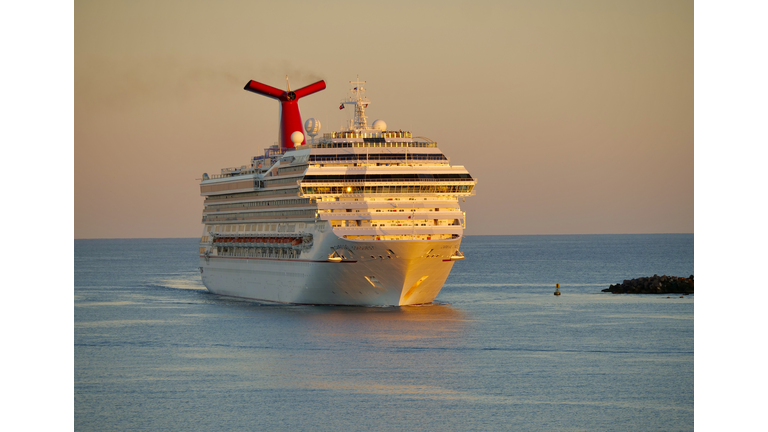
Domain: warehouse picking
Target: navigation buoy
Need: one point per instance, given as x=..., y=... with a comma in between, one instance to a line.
x=557, y=289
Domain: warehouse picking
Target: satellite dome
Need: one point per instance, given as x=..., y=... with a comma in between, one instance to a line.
x=380, y=125
x=297, y=137
x=312, y=126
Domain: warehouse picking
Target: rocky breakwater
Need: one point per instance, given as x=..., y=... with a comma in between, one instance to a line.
x=654, y=285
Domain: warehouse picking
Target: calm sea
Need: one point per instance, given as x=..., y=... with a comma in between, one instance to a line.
x=155, y=351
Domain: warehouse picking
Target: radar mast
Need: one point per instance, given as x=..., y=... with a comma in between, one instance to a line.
x=360, y=121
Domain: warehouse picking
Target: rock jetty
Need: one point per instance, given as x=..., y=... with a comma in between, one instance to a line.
x=654, y=285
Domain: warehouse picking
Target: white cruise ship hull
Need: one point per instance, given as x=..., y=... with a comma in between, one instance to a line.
x=367, y=215
x=371, y=274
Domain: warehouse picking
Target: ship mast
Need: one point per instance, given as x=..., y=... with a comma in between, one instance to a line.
x=360, y=121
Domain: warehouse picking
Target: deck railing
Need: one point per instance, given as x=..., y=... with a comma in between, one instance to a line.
x=373, y=144
x=392, y=181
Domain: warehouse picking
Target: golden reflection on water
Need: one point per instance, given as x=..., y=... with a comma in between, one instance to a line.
x=367, y=350
x=405, y=323
x=381, y=340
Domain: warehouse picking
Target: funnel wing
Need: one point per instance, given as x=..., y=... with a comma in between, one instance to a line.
x=308, y=90
x=265, y=90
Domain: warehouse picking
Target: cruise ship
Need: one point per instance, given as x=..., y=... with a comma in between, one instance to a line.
x=367, y=215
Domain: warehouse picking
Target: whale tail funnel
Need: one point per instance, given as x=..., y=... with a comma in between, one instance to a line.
x=290, y=117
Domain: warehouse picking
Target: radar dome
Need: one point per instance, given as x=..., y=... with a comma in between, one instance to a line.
x=312, y=126
x=297, y=137
x=380, y=125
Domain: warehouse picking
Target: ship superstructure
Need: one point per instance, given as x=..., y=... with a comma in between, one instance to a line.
x=362, y=216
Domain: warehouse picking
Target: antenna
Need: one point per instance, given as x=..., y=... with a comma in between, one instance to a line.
x=361, y=102
x=290, y=117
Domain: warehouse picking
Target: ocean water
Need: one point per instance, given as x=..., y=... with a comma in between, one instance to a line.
x=498, y=351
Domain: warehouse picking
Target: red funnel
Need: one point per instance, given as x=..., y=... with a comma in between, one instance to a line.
x=290, y=118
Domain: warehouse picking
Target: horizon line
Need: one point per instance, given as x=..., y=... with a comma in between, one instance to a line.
x=465, y=235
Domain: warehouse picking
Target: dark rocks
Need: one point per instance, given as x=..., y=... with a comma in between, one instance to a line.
x=654, y=285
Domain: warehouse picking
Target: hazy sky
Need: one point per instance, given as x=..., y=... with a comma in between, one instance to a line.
x=576, y=117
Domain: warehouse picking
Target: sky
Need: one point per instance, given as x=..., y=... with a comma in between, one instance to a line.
x=575, y=117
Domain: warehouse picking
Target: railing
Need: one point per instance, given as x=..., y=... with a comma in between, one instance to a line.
x=408, y=227
x=350, y=134
x=234, y=174
x=363, y=160
x=338, y=182
x=373, y=144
